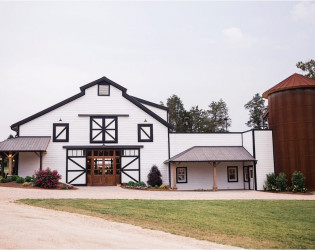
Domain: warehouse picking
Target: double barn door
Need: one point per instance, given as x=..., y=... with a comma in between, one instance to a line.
x=103, y=167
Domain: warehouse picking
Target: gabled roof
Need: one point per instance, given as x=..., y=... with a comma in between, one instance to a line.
x=82, y=93
x=294, y=81
x=212, y=153
x=25, y=144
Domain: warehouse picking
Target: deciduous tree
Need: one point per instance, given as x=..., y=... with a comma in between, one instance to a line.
x=308, y=67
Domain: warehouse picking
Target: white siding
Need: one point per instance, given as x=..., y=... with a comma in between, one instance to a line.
x=200, y=176
x=248, y=141
x=264, y=156
x=160, y=112
x=79, y=129
x=180, y=142
x=28, y=163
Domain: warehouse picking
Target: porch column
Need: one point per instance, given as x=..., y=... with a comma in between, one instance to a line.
x=174, y=175
x=2, y=164
x=40, y=160
x=215, y=187
x=10, y=157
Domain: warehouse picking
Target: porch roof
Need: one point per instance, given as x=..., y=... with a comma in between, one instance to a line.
x=25, y=144
x=212, y=153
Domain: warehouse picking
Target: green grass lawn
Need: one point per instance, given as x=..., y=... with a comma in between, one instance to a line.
x=249, y=224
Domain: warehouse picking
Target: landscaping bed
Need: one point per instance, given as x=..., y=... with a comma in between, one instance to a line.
x=13, y=184
x=47, y=179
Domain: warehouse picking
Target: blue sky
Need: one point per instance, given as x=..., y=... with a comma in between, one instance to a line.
x=201, y=51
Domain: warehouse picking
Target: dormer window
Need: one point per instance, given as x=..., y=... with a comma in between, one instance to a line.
x=103, y=89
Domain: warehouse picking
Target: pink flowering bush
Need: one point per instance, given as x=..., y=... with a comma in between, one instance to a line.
x=46, y=178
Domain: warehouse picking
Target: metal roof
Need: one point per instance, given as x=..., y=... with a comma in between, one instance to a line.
x=294, y=81
x=25, y=144
x=212, y=153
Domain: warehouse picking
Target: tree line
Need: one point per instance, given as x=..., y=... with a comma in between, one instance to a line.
x=213, y=119
x=216, y=117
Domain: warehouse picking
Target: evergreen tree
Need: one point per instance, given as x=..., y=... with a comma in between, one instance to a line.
x=198, y=121
x=176, y=113
x=256, y=108
x=218, y=117
x=154, y=177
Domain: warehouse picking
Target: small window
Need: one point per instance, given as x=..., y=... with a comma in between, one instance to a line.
x=130, y=152
x=145, y=132
x=103, y=89
x=61, y=132
x=232, y=174
x=181, y=175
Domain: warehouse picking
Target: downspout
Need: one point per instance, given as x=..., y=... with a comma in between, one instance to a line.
x=255, y=161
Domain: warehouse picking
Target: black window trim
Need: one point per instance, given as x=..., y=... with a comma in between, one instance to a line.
x=98, y=89
x=103, y=129
x=66, y=127
x=228, y=176
x=186, y=173
x=151, y=132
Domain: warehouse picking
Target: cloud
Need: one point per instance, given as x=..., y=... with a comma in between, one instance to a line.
x=235, y=37
x=304, y=12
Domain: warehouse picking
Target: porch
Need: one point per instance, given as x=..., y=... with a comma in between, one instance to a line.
x=11, y=148
x=213, y=168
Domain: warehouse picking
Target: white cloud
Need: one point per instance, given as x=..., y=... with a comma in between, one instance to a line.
x=304, y=12
x=235, y=37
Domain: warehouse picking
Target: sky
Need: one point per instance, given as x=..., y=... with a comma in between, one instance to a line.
x=200, y=51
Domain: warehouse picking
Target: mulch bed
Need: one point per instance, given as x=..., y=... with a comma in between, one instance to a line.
x=13, y=184
x=148, y=189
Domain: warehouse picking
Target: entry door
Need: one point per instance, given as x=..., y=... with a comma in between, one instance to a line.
x=103, y=171
x=248, y=173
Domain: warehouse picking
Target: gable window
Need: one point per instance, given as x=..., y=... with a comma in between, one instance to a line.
x=103, y=89
x=145, y=132
x=61, y=132
x=181, y=175
x=103, y=129
x=232, y=173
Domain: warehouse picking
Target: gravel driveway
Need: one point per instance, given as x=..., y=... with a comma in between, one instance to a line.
x=32, y=227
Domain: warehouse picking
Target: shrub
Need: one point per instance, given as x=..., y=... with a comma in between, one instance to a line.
x=130, y=183
x=47, y=178
x=27, y=184
x=14, y=177
x=9, y=179
x=164, y=186
x=271, y=184
x=141, y=184
x=28, y=178
x=154, y=177
x=20, y=180
x=298, y=182
x=4, y=180
x=281, y=182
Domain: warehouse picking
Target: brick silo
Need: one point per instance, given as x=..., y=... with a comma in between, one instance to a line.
x=291, y=116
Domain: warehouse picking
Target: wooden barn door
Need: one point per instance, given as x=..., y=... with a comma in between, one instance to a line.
x=103, y=167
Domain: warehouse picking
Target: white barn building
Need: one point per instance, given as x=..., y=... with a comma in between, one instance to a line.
x=103, y=136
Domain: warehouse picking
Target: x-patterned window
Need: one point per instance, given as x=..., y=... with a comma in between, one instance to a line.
x=145, y=132
x=103, y=129
x=60, y=132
